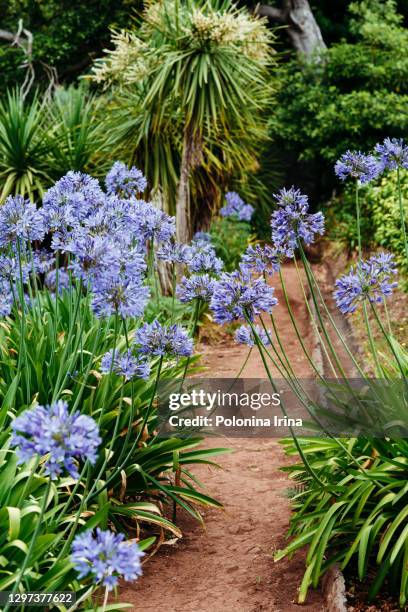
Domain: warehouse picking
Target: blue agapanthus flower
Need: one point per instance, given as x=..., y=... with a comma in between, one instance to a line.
x=292, y=222
x=71, y=200
x=357, y=165
x=260, y=259
x=236, y=207
x=245, y=335
x=201, y=238
x=393, y=153
x=204, y=259
x=125, y=364
x=93, y=255
x=238, y=295
x=124, y=181
x=370, y=280
x=105, y=557
x=174, y=253
x=150, y=223
x=54, y=432
x=118, y=294
x=163, y=340
x=20, y=219
x=197, y=286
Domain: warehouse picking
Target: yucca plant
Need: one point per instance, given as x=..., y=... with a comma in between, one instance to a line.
x=77, y=136
x=199, y=74
x=23, y=149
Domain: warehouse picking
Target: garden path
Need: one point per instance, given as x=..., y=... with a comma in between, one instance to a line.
x=228, y=566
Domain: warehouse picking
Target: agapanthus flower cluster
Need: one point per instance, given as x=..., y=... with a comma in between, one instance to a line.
x=119, y=293
x=201, y=238
x=245, y=335
x=150, y=223
x=260, y=259
x=156, y=339
x=197, y=286
x=238, y=295
x=236, y=207
x=292, y=222
x=125, y=364
x=106, y=557
x=357, y=165
x=370, y=280
x=20, y=220
x=54, y=432
x=203, y=259
x=174, y=253
x=125, y=181
x=73, y=198
x=393, y=153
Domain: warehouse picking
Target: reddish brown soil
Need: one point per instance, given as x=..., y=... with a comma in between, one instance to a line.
x=228, y=566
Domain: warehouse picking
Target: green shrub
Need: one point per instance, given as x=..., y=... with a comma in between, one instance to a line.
x=352, y=97
x=381, y=221
x=230, y=238
x=359, y=515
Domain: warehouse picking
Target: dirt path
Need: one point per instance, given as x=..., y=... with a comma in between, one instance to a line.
x=228, y=566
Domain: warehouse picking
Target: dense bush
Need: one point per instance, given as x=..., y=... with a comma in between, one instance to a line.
x=65, y=35
x=381, y=221
x=351, y=97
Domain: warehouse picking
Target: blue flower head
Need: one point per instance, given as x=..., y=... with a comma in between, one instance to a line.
x=53, y=431
x=238, y=295
x=369, y=280
x=260, y=259
x=106, y=557
x=164, y=341
x=356, y=165
x=292, y=222
x=125, y=181
x=236, y=207
x=125, y=364
x=393, y=153
x=197, y=286
x=245, y=335
x=20, y=220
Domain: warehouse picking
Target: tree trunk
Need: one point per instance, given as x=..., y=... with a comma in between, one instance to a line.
x=302, y=27
x=183, y=226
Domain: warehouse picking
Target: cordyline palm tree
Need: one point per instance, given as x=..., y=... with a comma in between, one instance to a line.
x=199, y=77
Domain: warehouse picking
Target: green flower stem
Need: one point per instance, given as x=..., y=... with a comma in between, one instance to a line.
x=22, y=356
x=366, y=319
x=313, y=284
x=298, y=334
x=298, y=446
x=313, y=320
x=68, y=345
x=173, y=290
x=87, y=594
x=132, y=402
x=194, y=321
x=119, y=468
x=402, y=214
x=381, y=326
x=32, y=542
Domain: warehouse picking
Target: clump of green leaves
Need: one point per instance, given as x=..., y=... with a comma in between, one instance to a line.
x=230, y=238
x=353, y=96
